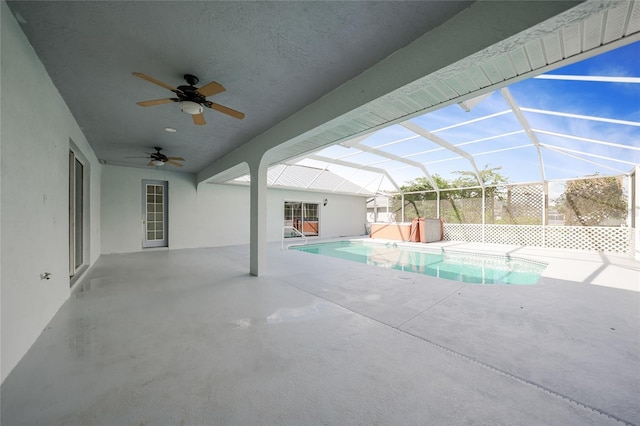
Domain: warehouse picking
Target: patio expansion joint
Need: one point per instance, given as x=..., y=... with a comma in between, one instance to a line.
x=477, y=362
x=430, y=306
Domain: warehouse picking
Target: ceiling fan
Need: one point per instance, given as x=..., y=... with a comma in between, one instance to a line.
x=191, y=99
x=159, y=159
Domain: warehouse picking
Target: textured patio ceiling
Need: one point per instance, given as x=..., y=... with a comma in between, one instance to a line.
x=553, y=127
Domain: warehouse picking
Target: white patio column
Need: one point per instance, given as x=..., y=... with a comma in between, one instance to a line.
x=258, y=220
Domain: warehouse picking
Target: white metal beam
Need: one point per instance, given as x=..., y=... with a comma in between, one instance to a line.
x=475, y=120
x=444, y=160
x=396, y=141
x=369, y=183
x=355, y=166
x=506, y=94
x=502, y=150
x=601, y=79
x=517, y=132
x=596, y=141
x=345, y=180
x=582, y=117
x=443, y=143
x=601, y=157
x=375, y=163
x=351, y=142
x=401, y=160
x=568, y=154
x=503, y=135
x=316, y=177
x=280, y=174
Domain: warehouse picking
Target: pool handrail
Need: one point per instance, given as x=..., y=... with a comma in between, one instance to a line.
x=297, y=232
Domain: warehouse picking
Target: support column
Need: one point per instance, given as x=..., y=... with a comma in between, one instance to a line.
x=258, y=219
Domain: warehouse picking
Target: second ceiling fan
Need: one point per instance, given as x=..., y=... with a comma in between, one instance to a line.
x=192, y=99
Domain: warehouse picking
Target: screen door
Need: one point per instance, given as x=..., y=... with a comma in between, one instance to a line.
x=155, y=213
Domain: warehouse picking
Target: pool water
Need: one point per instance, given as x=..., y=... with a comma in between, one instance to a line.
x=470, y=268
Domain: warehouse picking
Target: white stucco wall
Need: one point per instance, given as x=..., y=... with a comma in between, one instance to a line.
x=214, y=215
x=344, y=215
x=36, y=130
x=196, y=218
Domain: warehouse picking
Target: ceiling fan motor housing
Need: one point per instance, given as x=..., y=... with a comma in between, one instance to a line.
x=191, y=79
x=158, y=156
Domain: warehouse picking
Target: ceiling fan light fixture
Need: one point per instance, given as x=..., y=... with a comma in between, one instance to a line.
x=157, y=162
x=190, y=107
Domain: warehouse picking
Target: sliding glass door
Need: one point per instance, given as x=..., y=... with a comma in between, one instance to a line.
x=76, y=214
x=301, y=218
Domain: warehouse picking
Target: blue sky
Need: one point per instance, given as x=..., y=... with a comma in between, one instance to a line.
x=501, y=140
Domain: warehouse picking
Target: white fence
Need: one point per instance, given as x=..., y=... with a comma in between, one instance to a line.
x=593, y=238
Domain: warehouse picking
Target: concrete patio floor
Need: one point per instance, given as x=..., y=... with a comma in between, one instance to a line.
x=187, y=337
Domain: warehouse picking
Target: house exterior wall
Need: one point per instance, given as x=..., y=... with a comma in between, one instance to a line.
x=344, y=215
x=37, y=132
x=212, y=215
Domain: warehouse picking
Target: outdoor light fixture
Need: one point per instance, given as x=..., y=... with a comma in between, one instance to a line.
x=325, y=202
x=157, y=162
x=192, y=108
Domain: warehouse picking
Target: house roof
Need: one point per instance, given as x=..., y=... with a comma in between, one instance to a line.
x=293, y=176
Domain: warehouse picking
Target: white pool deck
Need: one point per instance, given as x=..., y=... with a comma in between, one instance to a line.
x=187, y=337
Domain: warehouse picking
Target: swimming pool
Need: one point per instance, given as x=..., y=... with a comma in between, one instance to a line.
x=466, y=267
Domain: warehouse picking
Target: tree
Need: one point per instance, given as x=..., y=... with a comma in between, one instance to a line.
x=489, y=175
x=465, y=180
x=422, y=184
x=590, y=202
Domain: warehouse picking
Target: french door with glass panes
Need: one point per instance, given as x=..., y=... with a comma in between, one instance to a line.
x=155, y=213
